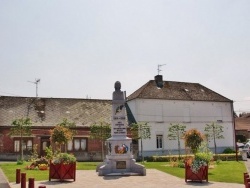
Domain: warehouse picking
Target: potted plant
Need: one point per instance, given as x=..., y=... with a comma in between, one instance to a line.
x=62, y=165
x=196, y=169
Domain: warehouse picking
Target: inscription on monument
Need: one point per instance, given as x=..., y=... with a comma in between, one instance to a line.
x=119, y=127
x=121, y=164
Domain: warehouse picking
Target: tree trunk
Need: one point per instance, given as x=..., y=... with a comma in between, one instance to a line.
x=21, y=140
x=215, y=147
x=142, y=151
x=179, y=145
x=102, y=152
x=179, y=148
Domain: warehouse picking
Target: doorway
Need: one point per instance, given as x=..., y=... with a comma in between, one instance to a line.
x=45, y=142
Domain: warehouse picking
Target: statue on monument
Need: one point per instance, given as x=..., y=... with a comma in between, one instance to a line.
x=118, y=94
x=118, y=97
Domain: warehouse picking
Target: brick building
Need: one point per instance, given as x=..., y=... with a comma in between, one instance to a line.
x=45, y=113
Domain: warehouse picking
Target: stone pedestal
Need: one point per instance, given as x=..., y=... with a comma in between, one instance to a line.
x=119, y=160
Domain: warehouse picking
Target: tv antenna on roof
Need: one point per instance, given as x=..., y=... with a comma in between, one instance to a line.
x=36, y=82
x=159, y=70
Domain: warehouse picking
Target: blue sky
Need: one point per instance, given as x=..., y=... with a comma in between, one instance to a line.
x=79, y=48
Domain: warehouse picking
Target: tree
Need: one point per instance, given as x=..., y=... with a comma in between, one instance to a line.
x=176, y=132
x=21, y=127
x=214, y=131
x=100, y=131
x=62, y=133
x=140, y=131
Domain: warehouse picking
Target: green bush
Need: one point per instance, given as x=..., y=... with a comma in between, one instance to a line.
x=204, y=156
x=169, y=158
x=65, y=158
x=226, y=157
x=228, y=150
x=20, y=162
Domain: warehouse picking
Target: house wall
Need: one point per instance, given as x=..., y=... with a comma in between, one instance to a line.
x=92, y=152
x=194, y=114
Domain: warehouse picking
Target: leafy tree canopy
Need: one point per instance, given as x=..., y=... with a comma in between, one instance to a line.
x=100, y=131
x=176, y=131
x=214, y=130
x=140, y=131
x=21, y=126
x=62, y=133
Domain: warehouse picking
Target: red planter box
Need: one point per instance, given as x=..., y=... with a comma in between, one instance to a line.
x=200, y=176
x=62, y=171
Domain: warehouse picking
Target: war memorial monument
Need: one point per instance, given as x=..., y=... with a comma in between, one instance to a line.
x=119, y=160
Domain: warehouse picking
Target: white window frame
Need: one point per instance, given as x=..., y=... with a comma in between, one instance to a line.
x=27, y=144
x=77, y=144
x=159, y=141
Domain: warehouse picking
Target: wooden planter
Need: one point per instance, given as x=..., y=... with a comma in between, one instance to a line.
x=200, y=176
x=62, y=171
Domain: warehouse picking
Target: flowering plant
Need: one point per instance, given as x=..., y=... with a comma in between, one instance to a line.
x=193, y=139
x=202, y=158
x=64, y=158
x=196, y=165
x=202, y=155
x=42, y=166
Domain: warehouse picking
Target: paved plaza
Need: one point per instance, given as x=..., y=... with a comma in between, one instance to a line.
x=154, y=178
x=89, y=178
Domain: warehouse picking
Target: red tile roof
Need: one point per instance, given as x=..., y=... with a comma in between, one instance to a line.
x=242, y=123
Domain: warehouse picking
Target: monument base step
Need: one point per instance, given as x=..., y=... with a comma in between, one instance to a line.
x=123, y=174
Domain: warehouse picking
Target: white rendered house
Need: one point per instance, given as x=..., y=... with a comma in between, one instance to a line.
x=190, y=104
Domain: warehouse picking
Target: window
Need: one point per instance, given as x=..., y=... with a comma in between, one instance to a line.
x=77, y=144
x=44, y=145
x=159, y=141
x=27, y=144
x=16, y=145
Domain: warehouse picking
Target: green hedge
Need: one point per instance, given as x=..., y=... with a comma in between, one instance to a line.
x=168, y=158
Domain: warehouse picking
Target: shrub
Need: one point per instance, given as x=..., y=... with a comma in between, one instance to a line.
x=228, y=150
x=20, y=162
x=202, y=156
x=65, y=158
x=225, y=157
x=168, y=158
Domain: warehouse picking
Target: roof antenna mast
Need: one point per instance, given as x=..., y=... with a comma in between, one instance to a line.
x=36, y=82
x=159, y=66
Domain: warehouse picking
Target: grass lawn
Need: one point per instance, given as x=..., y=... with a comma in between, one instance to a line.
x=9, y=170
x=226, y=171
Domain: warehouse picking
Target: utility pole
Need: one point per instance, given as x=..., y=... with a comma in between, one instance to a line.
x=36, y=82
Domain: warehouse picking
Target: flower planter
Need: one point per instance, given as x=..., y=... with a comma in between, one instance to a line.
x=62, y=171
x=200, y=176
